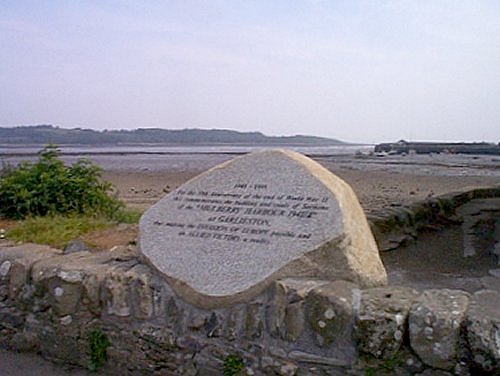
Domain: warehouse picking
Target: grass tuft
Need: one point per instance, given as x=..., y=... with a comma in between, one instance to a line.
x=129, y=216
x=55, y=230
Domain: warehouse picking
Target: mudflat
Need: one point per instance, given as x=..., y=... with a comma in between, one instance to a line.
x=379, y=182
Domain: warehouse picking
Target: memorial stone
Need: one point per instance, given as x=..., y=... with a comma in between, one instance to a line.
x=225, y=235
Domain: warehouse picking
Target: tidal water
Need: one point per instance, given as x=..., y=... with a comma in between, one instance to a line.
x=164, y=149
x=157, y=158
x=200, y=158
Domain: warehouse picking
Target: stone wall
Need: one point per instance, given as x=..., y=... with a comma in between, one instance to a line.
x=51, y=303
x=395, y=226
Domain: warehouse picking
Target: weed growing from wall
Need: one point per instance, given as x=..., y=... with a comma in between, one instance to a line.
x=233, y=364
x=98, y=343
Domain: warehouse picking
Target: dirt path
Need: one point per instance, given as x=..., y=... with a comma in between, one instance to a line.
x=23, y=364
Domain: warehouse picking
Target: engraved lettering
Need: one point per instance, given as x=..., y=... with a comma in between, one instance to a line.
x=301, y=213
x=244, y=221
x=250, y=214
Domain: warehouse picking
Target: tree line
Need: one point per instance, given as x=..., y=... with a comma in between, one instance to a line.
x=45, y=134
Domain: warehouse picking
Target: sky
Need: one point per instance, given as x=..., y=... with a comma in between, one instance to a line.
x=358, y=71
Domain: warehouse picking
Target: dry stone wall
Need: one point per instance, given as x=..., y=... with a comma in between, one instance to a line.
x=396, y=226
x=51, y=303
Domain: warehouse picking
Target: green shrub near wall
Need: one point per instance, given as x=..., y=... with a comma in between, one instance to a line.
x=50, y=187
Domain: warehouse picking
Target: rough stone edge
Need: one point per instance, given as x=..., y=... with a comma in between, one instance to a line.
x=363, y=249
x=401, y=225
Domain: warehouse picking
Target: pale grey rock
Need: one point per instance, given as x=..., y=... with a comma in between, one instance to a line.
x=189, y=344
x=254, y=320
x=76, y=246
x=5, y=268
x=65, y=297
x=66, y=320
x=490, y=283
x=91, y=292
x=70, y=276
x=295, y=321
x=494, y=272
x=196, y=321
x=483, y=330
x=435, y=321
x=382, y=320
x=234, y=323
x=116, y=294
x=224, y=236
x=21, y=259
x=330, y=313
x=141, y=292
x=285, y=316
x=288, y=369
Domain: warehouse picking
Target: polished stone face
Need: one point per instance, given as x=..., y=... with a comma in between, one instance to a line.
x=243, y=222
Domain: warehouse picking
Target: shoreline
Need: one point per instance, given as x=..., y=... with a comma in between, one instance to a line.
x=378, y=186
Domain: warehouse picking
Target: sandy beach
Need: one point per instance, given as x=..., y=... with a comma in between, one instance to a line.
x=378, y=182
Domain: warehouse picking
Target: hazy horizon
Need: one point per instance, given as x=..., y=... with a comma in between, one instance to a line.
x=356, y=71
x=248, y=131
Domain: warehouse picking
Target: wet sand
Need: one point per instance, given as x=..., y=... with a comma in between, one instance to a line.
x=379, y=183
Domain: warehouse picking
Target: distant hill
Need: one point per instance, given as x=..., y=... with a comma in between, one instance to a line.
x=45, y=134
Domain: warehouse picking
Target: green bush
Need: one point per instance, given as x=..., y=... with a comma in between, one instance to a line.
x=50, y=187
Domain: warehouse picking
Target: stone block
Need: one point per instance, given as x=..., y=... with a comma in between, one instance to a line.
x=295, y=320
x=483, y=330
x=382, y=319
x=254, y=320
x=284, y=293
x=330, y=313
x=116, y=294
x=65, y=297
x=234, y=322
x=214, y=325
x=141, y=292
x=17, y=262
x=435, y=322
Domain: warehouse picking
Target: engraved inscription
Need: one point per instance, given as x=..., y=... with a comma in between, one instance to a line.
x=245, y=215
